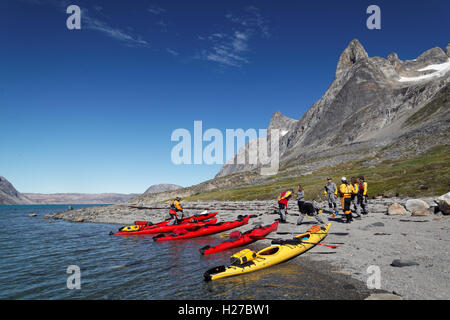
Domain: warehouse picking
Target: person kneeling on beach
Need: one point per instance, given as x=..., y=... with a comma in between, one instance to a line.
x=308, y=208
x=175, y=207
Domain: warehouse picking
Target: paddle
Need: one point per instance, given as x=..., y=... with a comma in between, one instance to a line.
x=300, y=241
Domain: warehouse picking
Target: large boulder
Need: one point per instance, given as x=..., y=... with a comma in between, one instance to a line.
x=443, y=203
x=417, y=207
x=396, y=209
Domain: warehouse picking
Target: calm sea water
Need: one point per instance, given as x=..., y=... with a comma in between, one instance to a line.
x=36, y=253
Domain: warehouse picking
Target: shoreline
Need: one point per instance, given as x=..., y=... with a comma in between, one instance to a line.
x=376, y=240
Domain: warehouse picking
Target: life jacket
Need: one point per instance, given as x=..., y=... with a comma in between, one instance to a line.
x=314, y=229
x=362, y=189
x=345, y=190
x=285, y=194
x=175, y=205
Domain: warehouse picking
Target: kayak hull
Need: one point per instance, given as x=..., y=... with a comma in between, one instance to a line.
x=204, y=231
x=269, y=256
x=246, y=238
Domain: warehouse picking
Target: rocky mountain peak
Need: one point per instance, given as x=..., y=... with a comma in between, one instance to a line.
x=393, y=59
x=351, y=55
x=447, y=50
x=280, y=121
x=162, y=188
x=433, y=56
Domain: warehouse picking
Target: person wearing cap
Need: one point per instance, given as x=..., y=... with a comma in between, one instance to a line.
x=331, y=192
x=175, y=207
x=345, y=191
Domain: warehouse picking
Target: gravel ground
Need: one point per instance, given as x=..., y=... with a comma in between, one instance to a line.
x=376, y=240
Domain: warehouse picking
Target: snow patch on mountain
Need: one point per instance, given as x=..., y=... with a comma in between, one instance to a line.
x=439, y=70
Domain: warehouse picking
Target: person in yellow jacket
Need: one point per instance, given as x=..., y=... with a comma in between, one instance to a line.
x=345, y=192
x=363, y=195
x=175, y=207
x=355, y=190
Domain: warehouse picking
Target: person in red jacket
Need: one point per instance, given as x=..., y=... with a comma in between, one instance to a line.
x=283, y=200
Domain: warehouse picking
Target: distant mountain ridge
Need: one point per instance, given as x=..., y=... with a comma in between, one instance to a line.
x=10, y=196
x=162, y=188
x=79, y=198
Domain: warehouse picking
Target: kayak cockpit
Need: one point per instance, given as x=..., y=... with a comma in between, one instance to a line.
x=269, y=251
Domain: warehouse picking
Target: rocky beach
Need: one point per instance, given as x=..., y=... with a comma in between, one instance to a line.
x=408, y=239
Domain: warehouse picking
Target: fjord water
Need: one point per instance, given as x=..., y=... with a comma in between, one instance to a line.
x=36, y=253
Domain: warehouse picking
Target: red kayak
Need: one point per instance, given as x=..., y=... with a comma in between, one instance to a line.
x=187, y=223
x=199, y=217
x=203, y=231
x=240, y=239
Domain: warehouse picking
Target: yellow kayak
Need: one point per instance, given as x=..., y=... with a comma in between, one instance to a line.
x=247, y=261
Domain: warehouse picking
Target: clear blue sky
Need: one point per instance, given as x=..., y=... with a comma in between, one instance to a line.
x=92, y=110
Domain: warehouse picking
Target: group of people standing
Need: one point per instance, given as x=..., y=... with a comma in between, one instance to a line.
x=351, y=193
